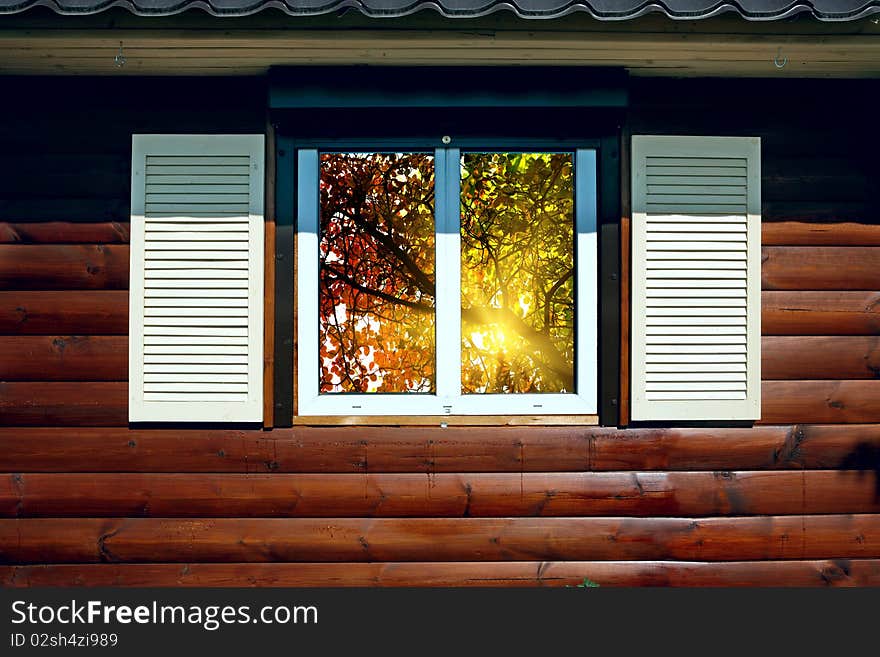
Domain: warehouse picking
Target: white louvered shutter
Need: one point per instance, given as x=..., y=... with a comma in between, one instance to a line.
x=196, y=300
x=696, y=270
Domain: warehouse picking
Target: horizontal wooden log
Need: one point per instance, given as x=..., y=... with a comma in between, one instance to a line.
x=820, y=313
x=84, y=176
x=65, y=209
x=87, y=151
x=223, y=540
x=63, y=267
x=800, y=233
x=820, y=357
x=830, y=572
x=846, y=187
x=820, y=268
x=434, y=449
x=76, y=404
x=86, y=312
x=820, y=402
x=63, y=358
x=842, y=179
x=64, y=232
x=818, y=211
x=105, y=404
x=479, y=495
x=795, y=446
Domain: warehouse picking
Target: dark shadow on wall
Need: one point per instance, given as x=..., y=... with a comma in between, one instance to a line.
x=865, y=457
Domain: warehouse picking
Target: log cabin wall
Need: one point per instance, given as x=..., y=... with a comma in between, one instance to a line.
x=84, y=500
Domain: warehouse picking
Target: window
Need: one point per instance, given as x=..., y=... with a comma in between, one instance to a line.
x=447, y=281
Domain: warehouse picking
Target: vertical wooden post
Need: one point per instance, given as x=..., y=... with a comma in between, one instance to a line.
x=284, y=277
x=625, y=218
x=609, y=280
x=269, y=285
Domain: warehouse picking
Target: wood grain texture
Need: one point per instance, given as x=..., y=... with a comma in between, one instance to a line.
x=74, y=404
x=820, y=313
x=816, y=211
x=799, y=233
x=478, y=495
x=63, y=267
x=85, y=312
x=829, y=572
x=625, y=274
x=839, y=177
x=820, y=268
x=820, y=357
x=65, y=232
x=63, y=358
x=105, y=404
x=429, y=450
x=269, y=284
x=230, y=540
x=820, y=401
x=19, y=210
x=653, y=50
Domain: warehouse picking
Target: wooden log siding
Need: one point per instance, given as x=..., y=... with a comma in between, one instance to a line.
x=477, y=495
x=63, y=267
x=61, y=232
x=820, y=313
x=829, y=572
x=105, y=404
x=86, y=500
x=807, y=357
x=798, y=233
x=430, y=450
x=222, y=540
x=820, y=268
x=64, y=358
x=87, y=312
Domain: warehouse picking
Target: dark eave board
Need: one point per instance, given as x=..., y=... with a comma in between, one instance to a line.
x=606, y=10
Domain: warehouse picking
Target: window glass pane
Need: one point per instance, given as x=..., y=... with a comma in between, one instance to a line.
x=376, y=273
x=517, y=272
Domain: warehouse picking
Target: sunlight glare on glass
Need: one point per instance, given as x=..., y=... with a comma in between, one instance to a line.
x=517, y=273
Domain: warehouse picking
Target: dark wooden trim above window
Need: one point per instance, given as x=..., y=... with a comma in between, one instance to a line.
x=429, y=87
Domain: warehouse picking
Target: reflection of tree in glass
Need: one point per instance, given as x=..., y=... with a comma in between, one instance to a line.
x=376, y=314
x=517, y=230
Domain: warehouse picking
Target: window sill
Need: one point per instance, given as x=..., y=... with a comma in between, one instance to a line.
x=448, y=420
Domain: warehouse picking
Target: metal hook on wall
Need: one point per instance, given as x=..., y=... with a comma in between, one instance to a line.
x=776, y=60
x=119, y=60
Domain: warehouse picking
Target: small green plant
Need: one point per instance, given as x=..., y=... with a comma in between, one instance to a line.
x=587, y=584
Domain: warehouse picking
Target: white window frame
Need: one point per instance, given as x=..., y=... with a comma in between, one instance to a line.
x=448, y=399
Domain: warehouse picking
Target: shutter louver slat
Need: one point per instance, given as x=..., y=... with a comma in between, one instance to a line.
x=197, y=270
x=695, y=208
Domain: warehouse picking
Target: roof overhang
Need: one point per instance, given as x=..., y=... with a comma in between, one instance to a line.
x=118, y=43
x=604, y=10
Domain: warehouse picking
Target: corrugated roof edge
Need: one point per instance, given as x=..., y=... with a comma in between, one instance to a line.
x=248, y=7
